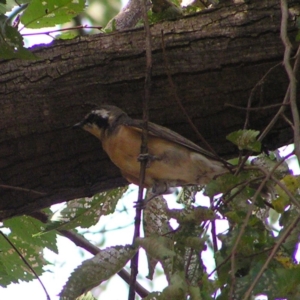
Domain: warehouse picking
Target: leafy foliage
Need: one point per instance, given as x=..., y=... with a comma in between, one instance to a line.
x=95, y=270
x=241, y=249
x=38, y=14
x=85, y=212
x=22, y=229
x=245, y=140
x=11, y=42
x=259, y=205
x=49, y=13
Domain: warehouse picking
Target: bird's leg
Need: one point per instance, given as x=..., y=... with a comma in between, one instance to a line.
x=148, y=157
x=161, y=187
x=158, y=188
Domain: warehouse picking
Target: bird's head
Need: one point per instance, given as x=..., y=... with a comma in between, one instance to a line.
x=101, y=119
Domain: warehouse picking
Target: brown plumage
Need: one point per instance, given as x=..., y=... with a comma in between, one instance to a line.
x=174, y=160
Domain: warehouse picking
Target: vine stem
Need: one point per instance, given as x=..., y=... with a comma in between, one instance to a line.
x=144, y=150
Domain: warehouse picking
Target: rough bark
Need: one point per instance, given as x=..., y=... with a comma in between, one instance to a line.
x=215, y=57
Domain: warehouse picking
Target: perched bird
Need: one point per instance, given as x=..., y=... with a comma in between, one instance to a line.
x=172, y=159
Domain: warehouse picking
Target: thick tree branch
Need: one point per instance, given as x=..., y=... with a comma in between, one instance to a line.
x=215, y=57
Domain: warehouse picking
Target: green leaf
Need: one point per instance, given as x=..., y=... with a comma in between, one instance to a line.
x=96, y=270
x=22, y=229
x=288, y=283
x=11, y=42
x=177, y=289
x=155, y=223
x=14, y=266
x=269, y=162
x=283, y=200
x=86, y=212
x=165, y=10
x=221, y=184
x=87, y=296
x=26, y=229
x=5, y=278
x=245, y=139
x=49, y=13
x=154, y=296
x=68, y=35
x=157, y=247
x=194, y=215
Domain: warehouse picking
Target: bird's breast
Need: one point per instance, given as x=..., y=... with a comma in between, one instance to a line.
x=172, y=163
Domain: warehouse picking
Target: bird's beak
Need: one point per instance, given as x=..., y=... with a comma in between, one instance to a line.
x=77, y=125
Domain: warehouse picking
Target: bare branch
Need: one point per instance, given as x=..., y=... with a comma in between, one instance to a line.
x=144, y=149
x=291, y=75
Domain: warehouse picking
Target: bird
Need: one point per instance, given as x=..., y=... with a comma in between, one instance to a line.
x=173, y=160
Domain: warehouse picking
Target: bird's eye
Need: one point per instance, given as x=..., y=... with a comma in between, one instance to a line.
x=97, y=119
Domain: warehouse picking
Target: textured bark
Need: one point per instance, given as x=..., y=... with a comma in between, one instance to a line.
x=215, y=57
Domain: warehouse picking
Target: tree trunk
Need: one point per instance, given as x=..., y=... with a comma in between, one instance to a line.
x=215, y=58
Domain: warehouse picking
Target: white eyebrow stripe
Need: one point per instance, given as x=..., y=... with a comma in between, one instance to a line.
x=102, y=113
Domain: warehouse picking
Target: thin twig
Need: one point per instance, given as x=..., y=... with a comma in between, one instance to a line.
x=285, y=100
x=213, y=228
x=286, y=190
x=63, y=29
x=144, y=150
x=228, y=257
x=291, y=75
x=16, y=188
x=255, y=108
x=278, y=114
x=260, y=82
x=26, y=263
x=285, y=118
x=179, y=102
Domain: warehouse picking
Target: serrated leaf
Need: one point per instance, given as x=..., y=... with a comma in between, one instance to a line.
x=268, y=162
x=155, y=223
x=245, y=139
x=87, y=296
x=96, y=270
x=22, y=230
x=194, y=215
x=49, y=13
x=13, y=264
x=156, y=220
x=157, y=247
x=86, y=212
x=26, y=228
x=177, y=289
x=283, y=200
x=5, y=278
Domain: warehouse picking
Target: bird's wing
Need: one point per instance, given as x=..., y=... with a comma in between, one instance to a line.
x=168, y=134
